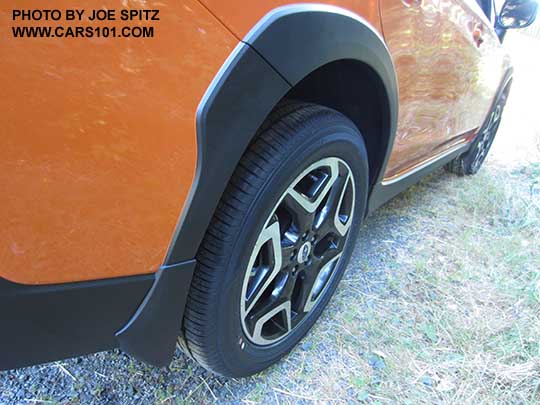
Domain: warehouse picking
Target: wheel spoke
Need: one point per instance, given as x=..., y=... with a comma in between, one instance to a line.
x=278, y=315
x=311, y=276
x=306, y=281
x=345, y=207
x=276, y=309
x=288, y=252
x=269, y=236
x=318, y=191
x=336, y=214
x=320, y=280
x=295, y=205
x=326, y=213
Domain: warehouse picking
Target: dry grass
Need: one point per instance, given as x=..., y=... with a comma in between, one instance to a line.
x=465, y=319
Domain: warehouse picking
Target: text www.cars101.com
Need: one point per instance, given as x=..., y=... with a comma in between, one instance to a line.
x=82, y=32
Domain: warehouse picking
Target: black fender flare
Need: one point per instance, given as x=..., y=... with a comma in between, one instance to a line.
x=284, y=47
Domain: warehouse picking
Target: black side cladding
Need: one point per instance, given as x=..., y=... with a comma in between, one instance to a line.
x=151, y=334
x=39, y=324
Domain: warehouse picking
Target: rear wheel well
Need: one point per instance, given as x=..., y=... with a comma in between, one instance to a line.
x=354, y=89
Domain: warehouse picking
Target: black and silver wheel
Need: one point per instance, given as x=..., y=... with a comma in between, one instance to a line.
x=297, y=251
x=279, y=241
x=471, y=161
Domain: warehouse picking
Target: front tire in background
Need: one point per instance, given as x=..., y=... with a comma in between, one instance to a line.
x=470, y=162
x=279, y=241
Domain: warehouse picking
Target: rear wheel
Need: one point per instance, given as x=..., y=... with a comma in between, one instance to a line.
x=279, y=241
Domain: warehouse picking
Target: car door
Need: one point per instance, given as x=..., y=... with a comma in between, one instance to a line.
x=435, y=48
x=488, y=63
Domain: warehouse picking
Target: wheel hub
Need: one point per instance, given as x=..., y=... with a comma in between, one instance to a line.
x=304, y=253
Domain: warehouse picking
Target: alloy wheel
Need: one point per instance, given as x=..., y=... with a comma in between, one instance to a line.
x=297, y=252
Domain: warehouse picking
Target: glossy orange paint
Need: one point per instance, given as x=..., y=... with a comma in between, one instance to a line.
x=446, y=81
x=240, y=16
x=99, y=141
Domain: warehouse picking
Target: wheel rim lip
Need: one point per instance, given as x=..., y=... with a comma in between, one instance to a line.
x=338, y=259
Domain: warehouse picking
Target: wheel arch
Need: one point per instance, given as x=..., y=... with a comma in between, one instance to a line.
x=354, y=89
x=286, y=52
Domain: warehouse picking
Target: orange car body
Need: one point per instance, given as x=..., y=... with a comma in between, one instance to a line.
x=100, y=135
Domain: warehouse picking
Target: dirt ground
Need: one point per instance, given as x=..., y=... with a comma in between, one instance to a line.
x=440, y=304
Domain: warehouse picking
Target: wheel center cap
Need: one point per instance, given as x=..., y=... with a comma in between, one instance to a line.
x=304, y=252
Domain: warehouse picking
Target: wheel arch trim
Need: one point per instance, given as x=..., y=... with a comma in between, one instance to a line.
x=265, y=58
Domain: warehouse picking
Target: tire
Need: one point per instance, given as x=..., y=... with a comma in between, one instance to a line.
x=470, y=162
x=244, y=310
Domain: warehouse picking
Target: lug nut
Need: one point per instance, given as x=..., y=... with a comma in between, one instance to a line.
x=293, y=254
